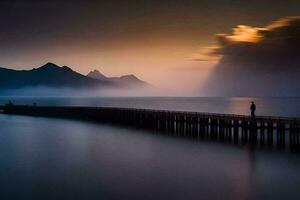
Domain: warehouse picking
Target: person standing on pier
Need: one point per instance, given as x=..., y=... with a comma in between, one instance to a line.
x=253, y=108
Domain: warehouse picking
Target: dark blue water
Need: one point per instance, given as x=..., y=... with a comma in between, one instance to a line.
x=43, y=158
x=265, y=106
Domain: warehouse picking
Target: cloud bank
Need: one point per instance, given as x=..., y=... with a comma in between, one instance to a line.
x=270, y=46
x=258, y=61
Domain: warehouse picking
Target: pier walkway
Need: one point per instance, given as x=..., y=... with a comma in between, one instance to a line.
x=279, y=132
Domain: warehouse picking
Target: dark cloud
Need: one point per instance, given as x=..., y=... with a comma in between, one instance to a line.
x=258, y=61
x=271, y=46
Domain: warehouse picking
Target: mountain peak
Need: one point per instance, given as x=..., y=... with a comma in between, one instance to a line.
x=96, y=71
x=96, y=75
x=126, y=80
x=49, y=65
x=66, y=68
x=129, y=76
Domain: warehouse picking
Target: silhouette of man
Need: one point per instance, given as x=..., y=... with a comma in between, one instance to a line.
x=253, y=108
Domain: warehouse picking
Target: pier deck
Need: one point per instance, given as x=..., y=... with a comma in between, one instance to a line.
x=280, y=132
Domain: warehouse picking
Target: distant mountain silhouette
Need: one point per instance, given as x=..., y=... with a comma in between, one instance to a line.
x=48, y=75
x=124, y=81
x=97, y=75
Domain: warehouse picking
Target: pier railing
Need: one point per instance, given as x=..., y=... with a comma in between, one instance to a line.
x=280, y=132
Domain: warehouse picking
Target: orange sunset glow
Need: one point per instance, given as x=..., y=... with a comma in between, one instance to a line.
x=161, y=43
x=149, y=99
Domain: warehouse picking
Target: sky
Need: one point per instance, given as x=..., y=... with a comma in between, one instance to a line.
x=162, y=42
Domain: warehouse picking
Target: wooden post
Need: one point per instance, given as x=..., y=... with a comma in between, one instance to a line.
x=262, y=132
x=236, y=131
x=270, y=133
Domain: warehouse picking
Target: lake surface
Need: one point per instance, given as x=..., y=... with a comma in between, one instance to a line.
x=42, y=158
x=265, y=106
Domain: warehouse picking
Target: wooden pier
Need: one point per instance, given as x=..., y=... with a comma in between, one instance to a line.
x=279, y=132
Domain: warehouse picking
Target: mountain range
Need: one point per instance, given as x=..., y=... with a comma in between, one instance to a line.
x=53, y=76
x=125, y=81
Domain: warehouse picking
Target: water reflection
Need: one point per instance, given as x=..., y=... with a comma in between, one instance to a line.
x=60, y=159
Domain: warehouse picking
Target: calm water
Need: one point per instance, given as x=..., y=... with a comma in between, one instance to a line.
x=43, y=158
x=265, y=106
